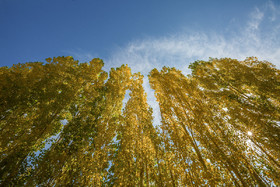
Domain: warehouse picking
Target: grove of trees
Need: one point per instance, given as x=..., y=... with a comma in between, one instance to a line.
x=64, y=123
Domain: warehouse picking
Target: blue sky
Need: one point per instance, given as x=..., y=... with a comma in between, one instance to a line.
x=143, y=34
x=32, y=30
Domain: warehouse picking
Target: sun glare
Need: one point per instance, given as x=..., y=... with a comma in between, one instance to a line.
x=250, y=133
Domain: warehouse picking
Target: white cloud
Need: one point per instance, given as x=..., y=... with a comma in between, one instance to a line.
x=259, y=37
x=270, y=5
x=256, y=19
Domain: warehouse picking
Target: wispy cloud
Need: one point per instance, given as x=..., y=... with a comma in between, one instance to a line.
x=274, y=13
x=260, y=37
x=256, y=19
x=256, y=38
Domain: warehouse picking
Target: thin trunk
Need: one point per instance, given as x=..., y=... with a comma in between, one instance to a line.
x=269, y=156
x=171, y=174
x=160, y=177
x=227, y=161
x=147, y=174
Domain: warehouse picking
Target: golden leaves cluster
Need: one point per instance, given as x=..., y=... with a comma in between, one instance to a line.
x=63, y=123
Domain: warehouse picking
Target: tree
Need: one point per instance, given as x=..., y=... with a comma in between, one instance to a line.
x=135, y=148
x=33, y=99
x=249, y=92
x=63, y=123
x=196, y=124
x=80, y=154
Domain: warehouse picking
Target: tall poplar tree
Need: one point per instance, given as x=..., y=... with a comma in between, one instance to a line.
x=80, y=154
x=211, y=155
x=33, y=100
x=135, y=149
x=249, y=92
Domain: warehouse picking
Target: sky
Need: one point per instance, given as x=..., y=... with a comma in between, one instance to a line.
x=143, y=34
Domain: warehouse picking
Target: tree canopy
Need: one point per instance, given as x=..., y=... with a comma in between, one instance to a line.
x=66, y=123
